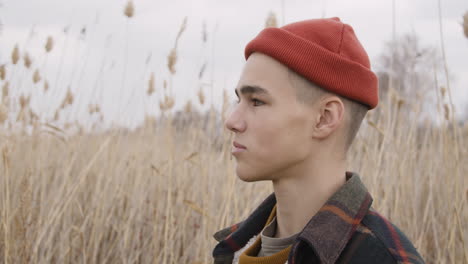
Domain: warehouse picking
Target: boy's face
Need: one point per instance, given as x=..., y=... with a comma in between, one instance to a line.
x=269, y=121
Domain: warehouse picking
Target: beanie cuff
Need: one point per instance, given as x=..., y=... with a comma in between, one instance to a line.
x=319, y=65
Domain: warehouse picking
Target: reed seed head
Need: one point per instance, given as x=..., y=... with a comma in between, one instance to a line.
x=27, y=60
x=201, y=96
x=15, y=55
x=151, y=89
x=69, y=97
x=2, y=72
x=443, y=90
x=129, y=10
x=36, y=76
x=167, y=104
x=271, y=20
x=171, y=60
x=93, y=108
x=49, y=44
x=46, y=86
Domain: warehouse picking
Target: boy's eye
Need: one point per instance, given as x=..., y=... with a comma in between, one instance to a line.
x=257, y=102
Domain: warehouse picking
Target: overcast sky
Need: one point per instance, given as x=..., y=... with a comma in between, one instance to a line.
x=92, y=64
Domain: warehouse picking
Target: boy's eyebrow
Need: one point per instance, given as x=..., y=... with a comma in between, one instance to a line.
x=251, y=89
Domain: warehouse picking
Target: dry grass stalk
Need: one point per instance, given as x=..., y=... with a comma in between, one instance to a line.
x=131, y=183
x=68, y=99
x=33, y=116
x=57, y=115
x=5, y=90
x=3, y=113
x=27, y=60
x=465, y=24
x=49, y=44
x=172, y=57
x=202, y=71
x=167, y=103
x=171, y=60
x=201, y=96
x=151, y=89
x=446, y=112
x=150, y=121
x=93, y=108
x=181, y=30
x=36, y=76
x=188, y=107
x=271, y=20
x=129, y=10
x=46, y=85
x=15, y=55
x=24, y=101
x=2, y=72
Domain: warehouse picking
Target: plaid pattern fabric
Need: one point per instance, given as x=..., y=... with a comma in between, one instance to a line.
x=345, y=230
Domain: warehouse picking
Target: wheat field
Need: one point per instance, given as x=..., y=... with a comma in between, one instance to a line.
x=157, y=193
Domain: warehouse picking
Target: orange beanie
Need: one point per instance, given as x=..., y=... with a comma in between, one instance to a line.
x=324, y=51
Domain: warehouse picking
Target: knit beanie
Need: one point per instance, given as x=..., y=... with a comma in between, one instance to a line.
x=324, y=51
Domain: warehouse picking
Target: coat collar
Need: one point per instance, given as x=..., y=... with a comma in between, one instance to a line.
x=327, y=232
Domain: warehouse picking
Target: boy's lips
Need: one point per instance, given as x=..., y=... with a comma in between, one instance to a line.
x=237, y=145
x=237, y=148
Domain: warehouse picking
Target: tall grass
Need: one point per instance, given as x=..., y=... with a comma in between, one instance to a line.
x=156, y=194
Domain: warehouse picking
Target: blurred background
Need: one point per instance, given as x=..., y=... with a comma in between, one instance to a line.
x=112, y=146
x=106, y=58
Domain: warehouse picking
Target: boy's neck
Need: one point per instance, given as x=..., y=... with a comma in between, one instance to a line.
x=301, y=193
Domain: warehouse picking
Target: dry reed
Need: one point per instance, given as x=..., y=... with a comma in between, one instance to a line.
x=36, y=76
x=2, y=72
x=3, y=113
x=27, y=60
x=159, y=192
x=46, y=86
x=201, y=96
x=5, y=90
x=271, y=20
x=15, y=55
x=129, y=9
x=49, y=44
x=151, y=89
x=149, y=194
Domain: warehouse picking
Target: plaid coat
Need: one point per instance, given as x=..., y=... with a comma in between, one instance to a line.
x=345, y=230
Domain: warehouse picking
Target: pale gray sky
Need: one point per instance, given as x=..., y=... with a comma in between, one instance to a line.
x=92, y=64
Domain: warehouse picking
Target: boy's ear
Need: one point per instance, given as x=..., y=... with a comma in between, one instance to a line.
x=329, y=116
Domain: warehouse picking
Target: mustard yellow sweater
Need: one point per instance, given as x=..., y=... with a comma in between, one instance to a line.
x=249, y=256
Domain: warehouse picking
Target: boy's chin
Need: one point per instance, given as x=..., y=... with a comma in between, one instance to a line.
x=250, y=177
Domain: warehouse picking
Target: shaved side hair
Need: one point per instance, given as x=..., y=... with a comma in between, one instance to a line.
x=309, y=93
